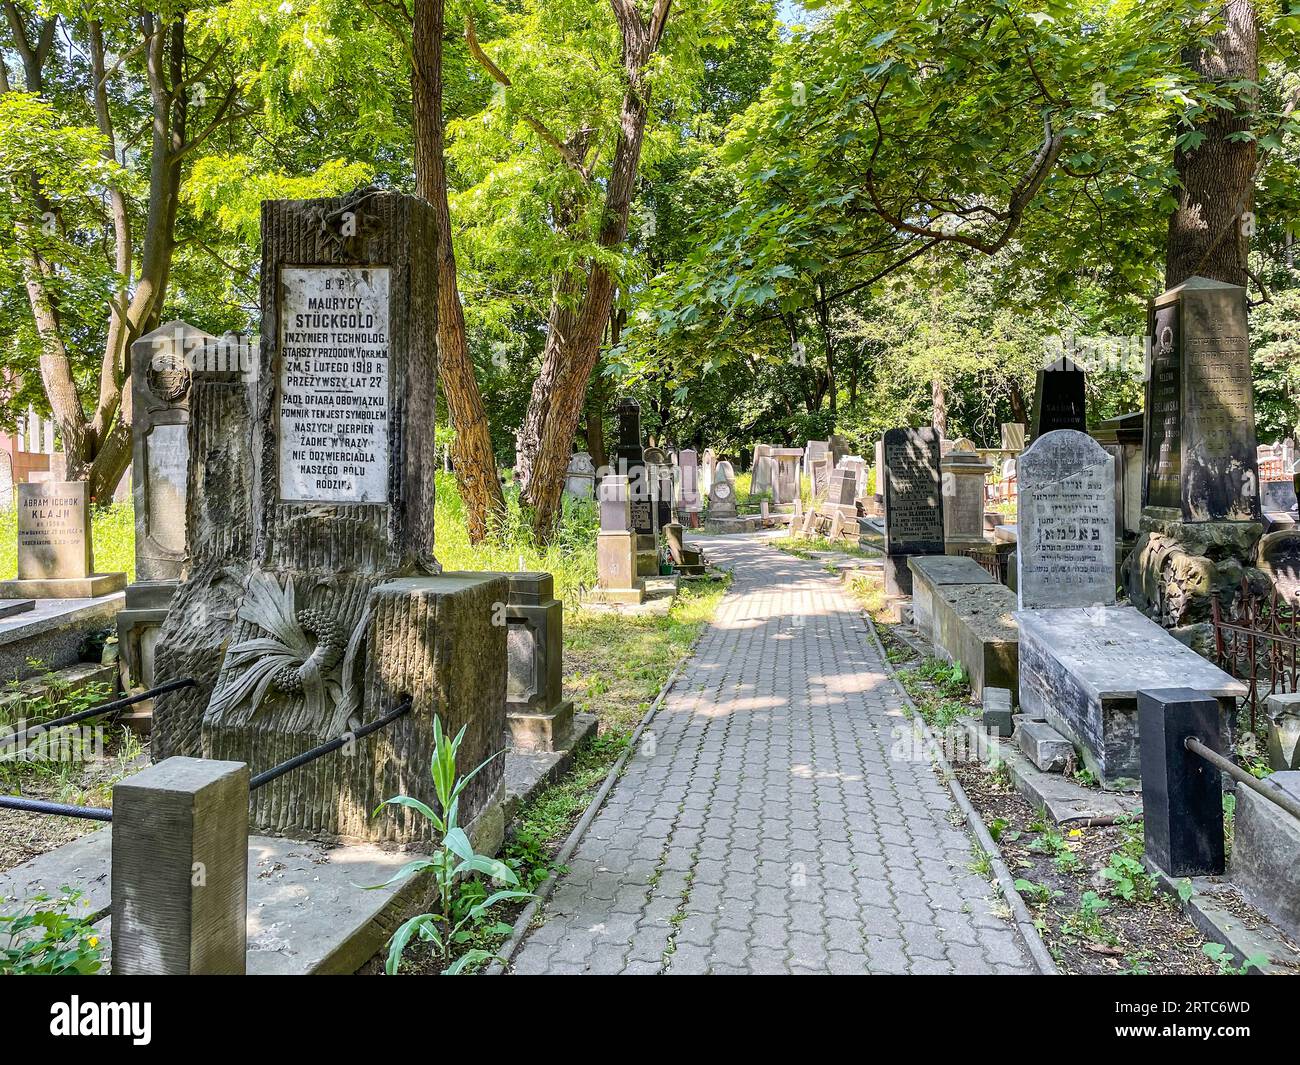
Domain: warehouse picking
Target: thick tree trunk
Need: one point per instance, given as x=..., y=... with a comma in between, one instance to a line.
x=1209, y=230
x=1018, y=412
x=939, y=407
x=475, y=461
x=575, y=329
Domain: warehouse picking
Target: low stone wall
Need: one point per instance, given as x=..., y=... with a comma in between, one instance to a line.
x=975, y=625
x=930, y=574
x=1266, y=852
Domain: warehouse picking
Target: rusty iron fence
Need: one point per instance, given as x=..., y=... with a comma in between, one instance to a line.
x=1257, y=640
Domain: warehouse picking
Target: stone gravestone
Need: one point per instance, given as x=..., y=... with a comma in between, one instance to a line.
x=964, y=474
x=334, y=611
x=537, y=714
x=708, y=464
x=817, y=456
x=580, y=478
x=55, y=553
x=762, y=477
x=1065, y=522
x=659, y=471
x=1060, y=398
x=616, y=545
x=1013, y=436
x=164, y=366
x=913, y=502
x=1201, y=517
x=722, y=496
x=690, y=502
x=1200, y=433
x=786, y=486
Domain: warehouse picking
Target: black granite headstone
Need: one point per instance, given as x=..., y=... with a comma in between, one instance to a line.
x=630, y=458
x=1200, y=456
x=1059, y=398
x=1182, y=793
x=913, y=502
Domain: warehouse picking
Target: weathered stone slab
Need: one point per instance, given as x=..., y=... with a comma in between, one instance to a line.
x=1065, y=522
x=929, y=572
x=1044, y=746
x=997, y=715
x=975, y=625
x=1081, y=670
x=1266, y=851
x=1200, y=445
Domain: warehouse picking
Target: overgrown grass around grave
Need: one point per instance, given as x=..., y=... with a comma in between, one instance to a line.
x=112, y=529
x=570, y=556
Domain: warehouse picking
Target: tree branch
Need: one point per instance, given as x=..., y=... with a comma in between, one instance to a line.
x=502, y=78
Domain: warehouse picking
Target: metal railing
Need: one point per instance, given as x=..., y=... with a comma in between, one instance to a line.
x=1226, y=765
x=116, y=706
x=95, y=813
x=1258, y=638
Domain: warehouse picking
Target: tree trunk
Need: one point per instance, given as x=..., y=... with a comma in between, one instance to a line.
x=475, y=461
x=575, y=327
x=939, y=405
x=1018, y=404
x=1209, y=230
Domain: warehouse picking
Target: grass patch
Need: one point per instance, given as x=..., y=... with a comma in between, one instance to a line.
x=940, y=690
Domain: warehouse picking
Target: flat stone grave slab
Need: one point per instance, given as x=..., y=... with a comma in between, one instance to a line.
x=1266, y=851
x=51, y=632
x=1081, y=669
x=930, y=572
x=975, y=625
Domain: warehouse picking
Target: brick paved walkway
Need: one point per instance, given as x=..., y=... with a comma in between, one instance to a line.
x=763, y=826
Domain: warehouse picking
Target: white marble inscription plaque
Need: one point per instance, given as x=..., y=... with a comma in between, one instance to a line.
x=334, y=409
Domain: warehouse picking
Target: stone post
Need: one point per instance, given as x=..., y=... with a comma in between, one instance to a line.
x=1182, y=794
x=616, y=546
x=180, y=869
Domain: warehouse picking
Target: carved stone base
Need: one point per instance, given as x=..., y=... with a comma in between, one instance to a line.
x=1176, y=568
x=430, y=638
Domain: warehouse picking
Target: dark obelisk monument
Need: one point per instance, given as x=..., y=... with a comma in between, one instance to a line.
x=1200, y=492
x=1060, y=398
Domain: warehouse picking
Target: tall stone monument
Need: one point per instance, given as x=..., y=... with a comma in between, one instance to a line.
x=164, y=366
x=964, y=475
x=617, y=579
x=913, y=502
x=787, y=484
x=630, y=462
x=1060, y=398
x=690, y=502
x=1201, y=516
x=321, y=600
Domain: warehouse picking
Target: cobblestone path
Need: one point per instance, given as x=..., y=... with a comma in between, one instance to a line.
x=763, y=826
